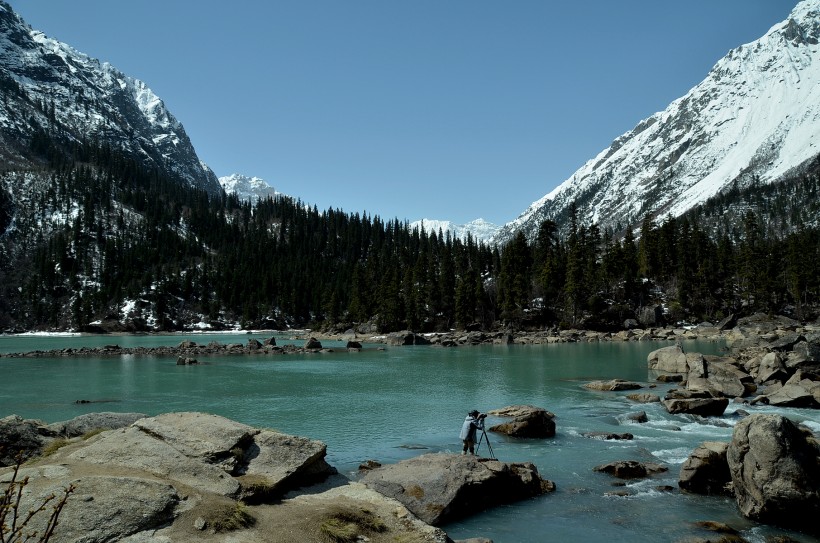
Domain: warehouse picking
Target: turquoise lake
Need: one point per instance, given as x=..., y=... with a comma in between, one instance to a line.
x=392, y=404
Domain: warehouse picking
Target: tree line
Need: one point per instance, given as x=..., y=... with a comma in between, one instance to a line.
x=134, y=237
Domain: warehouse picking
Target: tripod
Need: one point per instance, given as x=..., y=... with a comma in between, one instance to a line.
x=489, y=447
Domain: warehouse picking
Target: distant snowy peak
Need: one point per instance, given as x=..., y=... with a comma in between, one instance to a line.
x=50, y=86
x=251, y=189
x=479, y=229
x=756, y=114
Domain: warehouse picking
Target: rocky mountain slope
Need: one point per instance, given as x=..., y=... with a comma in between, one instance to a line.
x=755, y=118
x=48, y=87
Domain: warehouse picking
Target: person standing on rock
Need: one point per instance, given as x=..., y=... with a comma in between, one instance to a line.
x=472, y=423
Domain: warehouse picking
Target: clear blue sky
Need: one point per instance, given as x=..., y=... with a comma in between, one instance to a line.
x=438, y=109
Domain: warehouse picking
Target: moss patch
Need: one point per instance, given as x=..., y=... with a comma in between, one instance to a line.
x=346, y=525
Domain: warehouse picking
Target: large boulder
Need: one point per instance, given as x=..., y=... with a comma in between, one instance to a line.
x=721, y=379
x=210, y=453
x=274, y=463
x=670, y=359
x=439, y=488
x=101, y=507
x=528, y=421
x=706, y=471
x=775, y=471
x=20, y=436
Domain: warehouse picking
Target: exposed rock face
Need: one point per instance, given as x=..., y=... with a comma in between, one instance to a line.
x=775, y=472
x=529, y=421
x=18, y=435
x=706, y=471
x=613, y=385
x=442, y=487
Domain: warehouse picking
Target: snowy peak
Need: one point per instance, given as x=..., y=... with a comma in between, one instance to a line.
x=479, y=229
x=755, y=115
x=50, y=87
x=251, y=189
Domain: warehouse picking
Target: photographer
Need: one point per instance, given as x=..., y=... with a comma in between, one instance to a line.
x=472, y=423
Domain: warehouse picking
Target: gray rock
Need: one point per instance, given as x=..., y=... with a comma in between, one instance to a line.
x=94, y=421
x=442, y=487
x=704, y=407
x=639, y=417
x=276, y=463
x=775, y=471
x=20, y=435
x=132, y=448
x=790, y=395
x=771, y=368
x=529, y=421
x=613, y=385
x=101, y=508
x=706, y=471
x=670, y=359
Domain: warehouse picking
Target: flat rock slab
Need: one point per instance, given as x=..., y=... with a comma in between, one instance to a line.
x=705, y=407
x=613, y=385
x=199, y=435
x=133, y=448
x=439, y=488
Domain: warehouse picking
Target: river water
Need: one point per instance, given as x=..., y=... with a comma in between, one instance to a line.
x=392, y=404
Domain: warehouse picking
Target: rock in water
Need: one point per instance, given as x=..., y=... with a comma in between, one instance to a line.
x=775, y=472
x=529, y=421
x=706, y=471
x=439, y=488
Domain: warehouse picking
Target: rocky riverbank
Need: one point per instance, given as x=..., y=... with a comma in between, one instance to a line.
x=198, y=477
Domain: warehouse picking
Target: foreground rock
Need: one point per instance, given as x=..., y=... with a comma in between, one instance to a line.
x=178, y=478
x=439, y=488
x=775, y=471
x=528, y=421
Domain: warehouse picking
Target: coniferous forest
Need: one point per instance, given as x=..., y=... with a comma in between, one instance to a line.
x=135, y=239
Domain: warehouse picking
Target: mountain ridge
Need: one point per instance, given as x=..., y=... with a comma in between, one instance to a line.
x=51, y=87
x=755, y=116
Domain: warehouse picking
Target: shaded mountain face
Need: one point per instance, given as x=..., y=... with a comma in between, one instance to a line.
x=48, y=87
x=754, y=119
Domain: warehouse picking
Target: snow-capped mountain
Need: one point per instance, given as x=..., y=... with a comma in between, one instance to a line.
x=756, y=115
x=251, y=189
x=50, y=88
x=479, y=229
